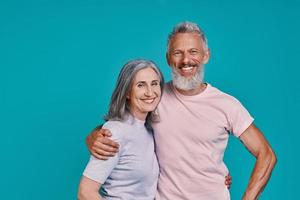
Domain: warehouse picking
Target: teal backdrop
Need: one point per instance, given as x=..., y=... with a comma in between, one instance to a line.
x=59, y=61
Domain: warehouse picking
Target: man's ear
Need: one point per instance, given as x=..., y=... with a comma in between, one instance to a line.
x=206, y=56
x=168, y=58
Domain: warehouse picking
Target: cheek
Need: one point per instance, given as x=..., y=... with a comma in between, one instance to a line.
x=174, y=60
x=197, y=59
x=157, y=91
x=138, y=92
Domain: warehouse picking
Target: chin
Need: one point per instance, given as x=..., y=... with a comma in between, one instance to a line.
x=149, y=108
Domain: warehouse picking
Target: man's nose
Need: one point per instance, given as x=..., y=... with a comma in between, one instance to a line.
x=186, y=58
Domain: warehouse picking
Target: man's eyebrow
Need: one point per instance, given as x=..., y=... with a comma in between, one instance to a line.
x=176, y=50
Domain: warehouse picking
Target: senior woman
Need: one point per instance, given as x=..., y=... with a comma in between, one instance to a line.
x=133, y=172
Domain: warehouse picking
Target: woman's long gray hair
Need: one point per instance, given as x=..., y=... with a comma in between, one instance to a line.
x=119, y=105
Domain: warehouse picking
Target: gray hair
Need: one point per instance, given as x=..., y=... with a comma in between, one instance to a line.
x=188, y=27
x=119, y=105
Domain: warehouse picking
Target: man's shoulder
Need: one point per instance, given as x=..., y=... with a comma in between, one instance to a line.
x=167, y=85
x=167, y=89
x=221, y=95
x=216, y=91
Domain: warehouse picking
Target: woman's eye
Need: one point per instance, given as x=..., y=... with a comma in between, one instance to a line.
x=155, y=83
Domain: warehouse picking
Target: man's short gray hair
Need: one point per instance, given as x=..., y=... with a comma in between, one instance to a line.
x=188, y=27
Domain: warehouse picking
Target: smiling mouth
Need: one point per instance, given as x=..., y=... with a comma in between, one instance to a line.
x=186, y=70
x=148, y=101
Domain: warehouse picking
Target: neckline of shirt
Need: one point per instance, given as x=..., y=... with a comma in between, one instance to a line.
x=130, y=119
x=187, y=97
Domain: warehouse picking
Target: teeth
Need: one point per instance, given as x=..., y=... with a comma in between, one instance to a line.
x=148, y=100
x=187, y=69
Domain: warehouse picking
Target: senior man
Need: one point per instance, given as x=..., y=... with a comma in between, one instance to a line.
x=195, y=122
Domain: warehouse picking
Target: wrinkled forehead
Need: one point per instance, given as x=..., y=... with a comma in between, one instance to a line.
x=147, y=75
x=186, y=40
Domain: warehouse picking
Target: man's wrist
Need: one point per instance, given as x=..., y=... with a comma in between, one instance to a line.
x=250, y=195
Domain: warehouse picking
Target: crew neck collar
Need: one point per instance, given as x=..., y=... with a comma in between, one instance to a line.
x=203, y=93
x=130, y=119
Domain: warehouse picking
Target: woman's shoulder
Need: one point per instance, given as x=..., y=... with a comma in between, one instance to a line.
x=116, y=128
x=113, y=123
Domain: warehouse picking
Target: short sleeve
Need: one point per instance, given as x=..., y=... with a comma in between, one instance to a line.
x=239, y=119
x=99, y=170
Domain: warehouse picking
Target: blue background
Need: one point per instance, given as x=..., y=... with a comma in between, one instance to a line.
x=59, y=61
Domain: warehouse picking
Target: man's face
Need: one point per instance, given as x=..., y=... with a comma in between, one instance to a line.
x=186, y=55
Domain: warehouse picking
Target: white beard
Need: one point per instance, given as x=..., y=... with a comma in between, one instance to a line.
x=184, y=83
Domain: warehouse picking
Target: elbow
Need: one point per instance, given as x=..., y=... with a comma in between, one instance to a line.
x=83, y=193
x=87, y=192
x=88, y=189
x=271, y=157
x=267, y=156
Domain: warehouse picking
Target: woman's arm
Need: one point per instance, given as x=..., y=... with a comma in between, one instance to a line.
x=88, y=189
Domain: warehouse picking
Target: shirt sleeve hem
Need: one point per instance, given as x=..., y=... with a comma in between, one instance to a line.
x=244, y=127
x=98, y=180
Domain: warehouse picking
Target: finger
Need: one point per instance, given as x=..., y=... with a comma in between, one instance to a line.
x=104, y=153
x=106, y=133
x=228, y=182
x=228, y=177
x=99, y=156
x=108, y=142
x=228, y=185
x=104, y=147
x=103, y=132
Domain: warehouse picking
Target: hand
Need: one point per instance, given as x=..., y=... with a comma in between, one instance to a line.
x=228, y=181
x=100, y=145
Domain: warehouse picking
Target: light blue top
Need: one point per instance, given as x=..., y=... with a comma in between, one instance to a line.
x=133, y=172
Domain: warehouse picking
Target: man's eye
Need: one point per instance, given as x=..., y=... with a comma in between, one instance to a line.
x=176, y=53
x=194, y=52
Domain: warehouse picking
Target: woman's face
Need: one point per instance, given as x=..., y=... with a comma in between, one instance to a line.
x=145, y=93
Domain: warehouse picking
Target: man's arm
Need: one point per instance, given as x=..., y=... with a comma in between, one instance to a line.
x=258, y=146
x=100, y=145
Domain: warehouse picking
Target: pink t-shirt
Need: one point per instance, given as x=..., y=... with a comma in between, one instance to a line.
x=190, y=142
